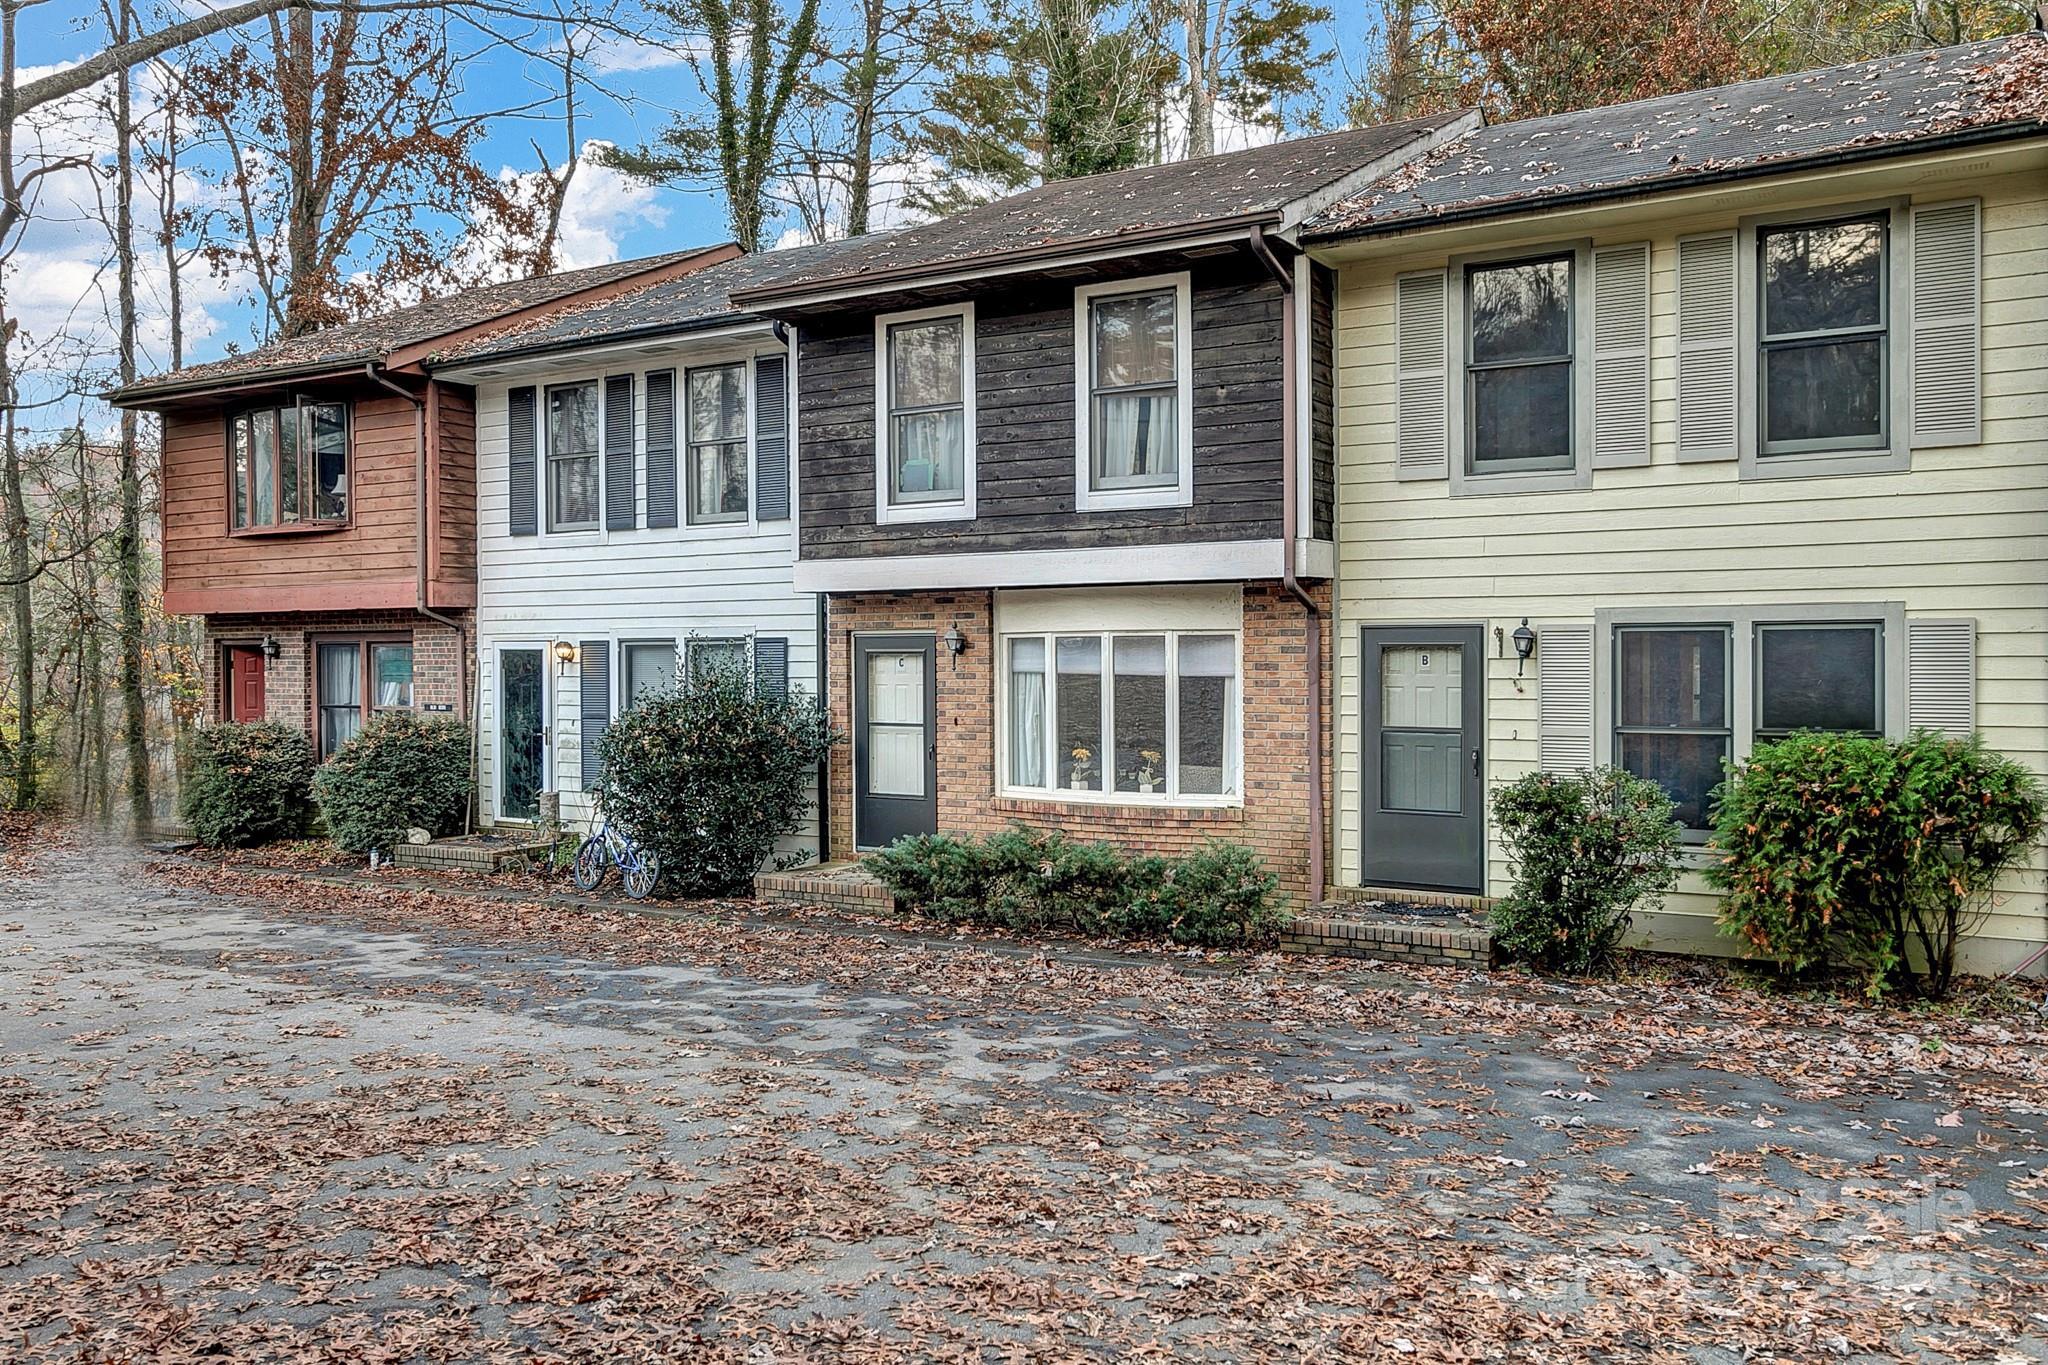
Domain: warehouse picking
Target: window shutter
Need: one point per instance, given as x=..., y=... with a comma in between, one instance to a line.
x=1947, y=348
x=1422, y=444
x=771, y=438
x=661, y=448
x=771, y=666
x=1941, y=676
x=522, y=444
x=594, y=681
x=1564, y=699
x=1621, y=356
x=1708, y=401
x=618, y=453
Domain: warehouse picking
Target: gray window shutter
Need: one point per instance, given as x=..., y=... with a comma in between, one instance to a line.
x=522, y=444
x=1947, y=340
x=618, y=453
x=594, y=681
x=1564, y=699
x=1709, y=404
x=661, y=448
x=1621, y=356
x=1422, y=443
x=771, y=438
x=771, y=666
x=1941, y=676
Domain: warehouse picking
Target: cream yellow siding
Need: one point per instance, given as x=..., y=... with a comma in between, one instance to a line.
x=1963, y=533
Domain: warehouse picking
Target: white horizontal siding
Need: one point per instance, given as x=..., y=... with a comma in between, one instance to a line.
x=1963, y=533
x=710, y=581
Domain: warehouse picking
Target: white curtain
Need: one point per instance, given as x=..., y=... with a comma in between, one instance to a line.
x=1134, y=438
x=1027, y=713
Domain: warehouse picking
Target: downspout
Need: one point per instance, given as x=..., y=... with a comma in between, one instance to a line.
x=780, y=331
x=1290, y=476
x=373, y=372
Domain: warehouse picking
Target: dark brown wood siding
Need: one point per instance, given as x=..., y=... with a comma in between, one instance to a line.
x=1322, y=365
x=1024, y=385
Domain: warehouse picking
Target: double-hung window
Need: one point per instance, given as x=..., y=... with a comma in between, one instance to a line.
x=288, y=465
x=1518, y=366
x=1131, y=715
x=572, y=457
x=646, y=668
x=926, y=400
x=1819, y=676
x=358, y=679
x=1823, y=335
x=710, y=657
x=1135, y=402
x=1672, y=711
x=716, y=398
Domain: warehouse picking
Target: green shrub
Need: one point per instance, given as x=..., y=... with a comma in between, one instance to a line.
x=712, y=775
x=1872, y=856
x=1586, y=850
x=1218, y=896
x=246, y=784
x=399, y=772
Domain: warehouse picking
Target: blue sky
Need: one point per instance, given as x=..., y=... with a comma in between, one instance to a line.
x=58, y=280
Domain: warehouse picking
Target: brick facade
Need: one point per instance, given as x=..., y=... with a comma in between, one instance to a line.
x=1274, y=818
x=288, y=679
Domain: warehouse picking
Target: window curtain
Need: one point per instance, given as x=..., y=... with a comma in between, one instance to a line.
x=1027, y=713
x=341, y=695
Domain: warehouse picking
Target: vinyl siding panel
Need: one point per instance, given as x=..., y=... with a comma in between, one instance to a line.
x=656, y=583
x=1964, y=533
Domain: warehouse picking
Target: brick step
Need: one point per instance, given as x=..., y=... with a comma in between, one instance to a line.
x=464, y=855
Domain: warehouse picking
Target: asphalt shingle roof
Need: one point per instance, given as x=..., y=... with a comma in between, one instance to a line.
x=373, y=338
x=1753, y=127
x=702, y=298
x=1072, y=214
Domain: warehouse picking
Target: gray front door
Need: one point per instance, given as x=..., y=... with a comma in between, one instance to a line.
x=895, y=733
x=1424, y=798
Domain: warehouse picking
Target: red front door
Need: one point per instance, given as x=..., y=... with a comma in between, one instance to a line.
x=245, y=685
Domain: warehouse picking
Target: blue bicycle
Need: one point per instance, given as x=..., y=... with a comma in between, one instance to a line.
x=639, y=868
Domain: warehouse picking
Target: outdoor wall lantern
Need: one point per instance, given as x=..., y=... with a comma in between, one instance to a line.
x=271, y=648
x=565, y=652
x=1525, y=645
x=956, y=643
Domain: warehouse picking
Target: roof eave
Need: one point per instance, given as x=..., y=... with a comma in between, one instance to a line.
x=1639, y=189
x=736, y=323
x=154, y=394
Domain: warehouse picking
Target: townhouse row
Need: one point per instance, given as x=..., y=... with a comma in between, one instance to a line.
x=1296, y=497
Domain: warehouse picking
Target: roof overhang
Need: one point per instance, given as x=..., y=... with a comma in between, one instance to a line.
x=638, y=345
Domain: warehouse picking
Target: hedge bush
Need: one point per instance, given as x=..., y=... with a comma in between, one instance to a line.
x=1873, y=856
x=246, y=784
x=711, y=776
x=1586, y=851
x=1220, y=895
x=399, y=772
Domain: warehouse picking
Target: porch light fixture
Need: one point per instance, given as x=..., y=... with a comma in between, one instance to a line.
x=956, y=643
x=565, y=652
x=271, y=648
x=1525, y=645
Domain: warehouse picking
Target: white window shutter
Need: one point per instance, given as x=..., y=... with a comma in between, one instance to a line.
x=1709, y=406
x=1947, y=336
x=1621, y=356
x=1422, y=445
x=1941, y=676
x=1564, y=699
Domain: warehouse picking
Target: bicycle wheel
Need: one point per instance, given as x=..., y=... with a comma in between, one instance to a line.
x=589, y=870
x=640, y=872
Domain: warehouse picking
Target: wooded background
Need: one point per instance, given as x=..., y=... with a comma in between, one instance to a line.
x=307, y=161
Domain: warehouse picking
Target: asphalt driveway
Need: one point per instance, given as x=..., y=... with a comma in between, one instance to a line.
x=253, y=1120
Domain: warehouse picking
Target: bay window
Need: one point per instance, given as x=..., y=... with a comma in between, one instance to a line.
x=288, y=465
x=1122, y=715
x=716, y=460
x=925, y=426
x=1134, y=399
x=355, y=680
x=572, y=457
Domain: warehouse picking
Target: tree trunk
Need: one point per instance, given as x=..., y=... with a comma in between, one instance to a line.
x=19, y=574
x=1194, y=22
x=128, y=540
x=860, y=151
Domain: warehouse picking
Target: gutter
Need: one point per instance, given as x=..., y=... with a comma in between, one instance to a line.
x=1290, y=514
x=155, y=395
x=1538, y=203
x=373, y=371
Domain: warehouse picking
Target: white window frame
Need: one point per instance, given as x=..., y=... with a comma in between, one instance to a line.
x=1180, y=493
x=685, y=471
x=555, y=527
x=686, y=655
x=1743, y=662
x=889, y=513
x=1170, y=777
x=1895, y=455
x=1465, y=483
x=622, y=647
